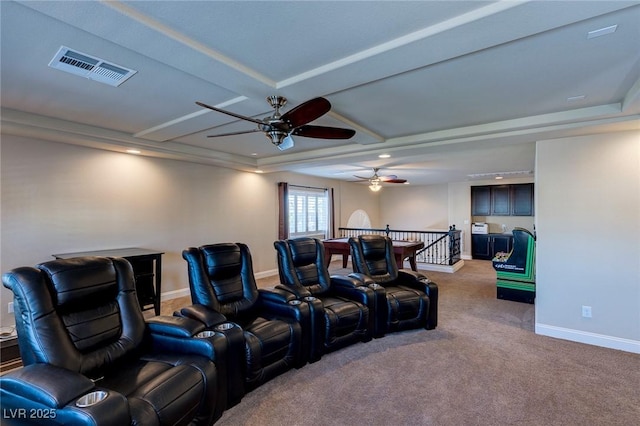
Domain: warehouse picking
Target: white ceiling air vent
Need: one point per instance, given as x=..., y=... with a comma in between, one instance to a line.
x=90, y=67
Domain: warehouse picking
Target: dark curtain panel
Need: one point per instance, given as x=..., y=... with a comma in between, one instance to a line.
x=331, y=232
x=283, y=211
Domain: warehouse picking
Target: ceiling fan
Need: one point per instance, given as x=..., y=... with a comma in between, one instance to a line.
x=279, y=128
x=376, y=180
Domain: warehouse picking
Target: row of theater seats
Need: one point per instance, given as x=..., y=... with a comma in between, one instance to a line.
x=90, y=357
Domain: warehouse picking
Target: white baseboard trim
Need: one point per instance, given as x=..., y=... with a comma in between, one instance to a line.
x=595, y=339
x=441, y=268
x=174, y=294
x=265, y=274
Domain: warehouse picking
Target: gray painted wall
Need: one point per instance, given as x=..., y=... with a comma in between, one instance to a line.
x=62, y=198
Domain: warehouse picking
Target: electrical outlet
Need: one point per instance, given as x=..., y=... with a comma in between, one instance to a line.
x=10, y=307
x=586, y=311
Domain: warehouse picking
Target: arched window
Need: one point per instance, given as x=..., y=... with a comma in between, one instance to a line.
x=359, y=219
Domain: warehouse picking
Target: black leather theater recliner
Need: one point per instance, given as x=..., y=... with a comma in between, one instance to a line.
x=90, y=358
x=340, y=312
x=262, y=327
x=412, y=299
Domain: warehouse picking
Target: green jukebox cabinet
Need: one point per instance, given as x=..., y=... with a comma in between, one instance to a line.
x=516, y=272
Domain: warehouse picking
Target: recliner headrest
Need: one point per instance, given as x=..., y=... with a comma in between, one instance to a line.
x=81, y=283
x=374, y=247
x=222, y=261
x=304, y=251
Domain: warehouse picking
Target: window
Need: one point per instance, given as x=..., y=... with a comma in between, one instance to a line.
x=359, y=219
x=308, y=212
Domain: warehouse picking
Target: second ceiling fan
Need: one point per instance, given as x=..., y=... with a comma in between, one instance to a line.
x=375, y=181
x=279, y=128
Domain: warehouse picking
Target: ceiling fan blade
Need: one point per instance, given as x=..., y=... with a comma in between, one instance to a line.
x=233, y=114
x=323, y=132
x=234, y=133
x=307, y=112
x=361, y=177
x=394, y=180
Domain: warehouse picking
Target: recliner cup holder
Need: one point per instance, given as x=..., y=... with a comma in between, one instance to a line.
x=205, y=334
x=224, y=326
x=374, y=286
x=309, y=298
x=295, y=302
x=92, y=398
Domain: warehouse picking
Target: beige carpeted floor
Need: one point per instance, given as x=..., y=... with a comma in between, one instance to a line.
x=483, y=365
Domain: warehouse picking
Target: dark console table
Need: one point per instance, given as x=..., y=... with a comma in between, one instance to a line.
x=147, y=270
x=9, y=354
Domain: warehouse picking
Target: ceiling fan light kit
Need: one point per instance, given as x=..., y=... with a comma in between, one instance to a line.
x=279, y=128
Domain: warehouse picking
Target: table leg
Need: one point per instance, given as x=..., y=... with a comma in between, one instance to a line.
x=327, y=258
x=158, y=277
x=399, y=260
x=412, y=261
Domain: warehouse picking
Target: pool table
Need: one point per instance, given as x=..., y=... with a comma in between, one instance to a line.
x=401, y=250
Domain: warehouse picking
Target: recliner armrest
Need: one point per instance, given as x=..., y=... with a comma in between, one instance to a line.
x=417, y=281
x=46, y=384
x=364, y=279
x=346, y=281
x=278, y=294
x=281, y=301
x=351, y=288
x=202, y=314
x=421, y=282
x=405, y=274
x=43, y=393
x=181, y=335
x=174, y=326
x=298, y=292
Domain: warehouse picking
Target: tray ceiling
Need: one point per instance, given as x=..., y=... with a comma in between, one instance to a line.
x=448, y=89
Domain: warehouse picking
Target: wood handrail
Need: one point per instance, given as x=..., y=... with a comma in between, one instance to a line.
x=441, y=247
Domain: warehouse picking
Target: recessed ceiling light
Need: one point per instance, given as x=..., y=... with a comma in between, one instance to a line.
x=259, y=171
x=384, y=156
x=499, y=177
x=601, y=32
x=133, y=151
x=576, y=98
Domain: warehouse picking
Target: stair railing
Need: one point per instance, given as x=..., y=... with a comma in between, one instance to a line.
x=440, y=247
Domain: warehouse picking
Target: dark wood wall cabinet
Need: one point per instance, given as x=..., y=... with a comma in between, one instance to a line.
x=147, y=270
x=485, y=246
x=502, y=200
